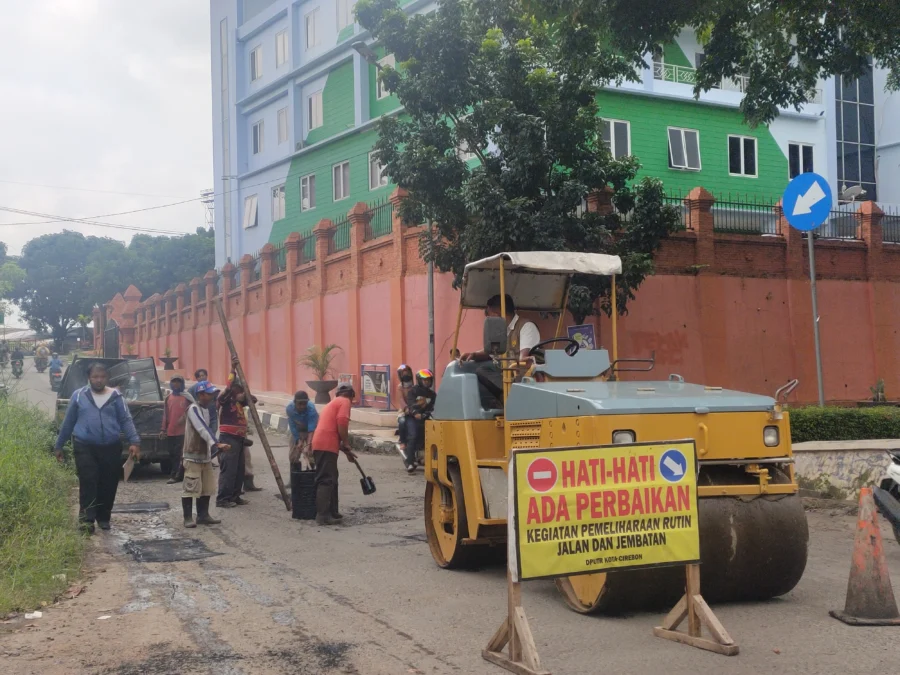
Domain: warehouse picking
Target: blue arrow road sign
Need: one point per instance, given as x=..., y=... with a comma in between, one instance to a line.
x=673, y=465
x=807, y=201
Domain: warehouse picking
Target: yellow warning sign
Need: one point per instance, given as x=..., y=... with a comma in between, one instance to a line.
x=584, y=510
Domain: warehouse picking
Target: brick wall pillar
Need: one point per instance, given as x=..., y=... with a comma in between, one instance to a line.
x=600, y=201
x=868, y=218
x=292, y=262
x=323, y=232
x=359, y=220
x=195, y=284
x=398, y=272
x=210, y=279
x=700, y=219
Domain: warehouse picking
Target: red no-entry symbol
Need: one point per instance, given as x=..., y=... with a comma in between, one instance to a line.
x=542, y=475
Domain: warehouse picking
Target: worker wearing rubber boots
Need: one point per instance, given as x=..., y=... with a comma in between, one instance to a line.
x=331, y=437
x=200, y=444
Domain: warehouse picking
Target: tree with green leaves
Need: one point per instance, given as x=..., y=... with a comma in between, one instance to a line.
x=501, y=141
x=783, y=47
x=513, y=83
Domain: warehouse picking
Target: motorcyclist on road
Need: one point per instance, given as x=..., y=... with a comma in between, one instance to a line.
x=18, y=355
x=4, y=352
x=56, y=365
x=419, y=406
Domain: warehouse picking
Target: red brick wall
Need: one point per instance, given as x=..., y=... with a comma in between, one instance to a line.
x=723, y=309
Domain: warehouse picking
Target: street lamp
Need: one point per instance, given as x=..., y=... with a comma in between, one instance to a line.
x=366, y=52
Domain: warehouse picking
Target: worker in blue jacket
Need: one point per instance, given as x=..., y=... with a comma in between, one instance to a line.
x=96, y=418
x=302, y=420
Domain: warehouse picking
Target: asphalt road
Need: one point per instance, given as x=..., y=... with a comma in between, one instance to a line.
x=285, y=596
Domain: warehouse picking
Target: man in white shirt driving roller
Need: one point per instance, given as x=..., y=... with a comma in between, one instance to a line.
x=521, y=337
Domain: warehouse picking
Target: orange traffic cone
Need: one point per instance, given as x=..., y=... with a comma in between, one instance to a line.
x=870, y=598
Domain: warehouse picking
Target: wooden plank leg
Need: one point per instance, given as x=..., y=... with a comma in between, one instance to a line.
x=500, y=638
x=529, y=652
x=693, y=607
x=503, y=661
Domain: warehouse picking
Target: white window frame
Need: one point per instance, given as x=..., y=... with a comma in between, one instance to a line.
x=345, y=13
x=256, y=71
x=278, y=202
x=283, y=130
x=308, y=183
x=612, y=136
x=251, y=211
x=281, y=48
x=257, y=137
x=380, y=91
x=344, y=192
x=314, y=110
x=803, y=167
x=311, y=24
x=742, y=139
x=376, y=168
x=686, y=166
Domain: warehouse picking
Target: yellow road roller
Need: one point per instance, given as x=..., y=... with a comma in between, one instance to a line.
x=753, y=530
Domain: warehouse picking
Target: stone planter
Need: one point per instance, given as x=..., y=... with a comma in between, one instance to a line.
x=168, y=362
x=130, y=357
x=322, y=387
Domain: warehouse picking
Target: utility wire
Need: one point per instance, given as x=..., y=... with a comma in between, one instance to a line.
x=76, y=189
x=85, y=221
x=274, y=181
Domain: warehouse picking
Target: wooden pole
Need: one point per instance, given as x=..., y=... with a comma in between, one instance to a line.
x=239, y=372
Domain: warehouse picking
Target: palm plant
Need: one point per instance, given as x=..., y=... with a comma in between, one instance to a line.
x=319, y=360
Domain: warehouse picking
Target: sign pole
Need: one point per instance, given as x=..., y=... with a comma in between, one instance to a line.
x=815, y=311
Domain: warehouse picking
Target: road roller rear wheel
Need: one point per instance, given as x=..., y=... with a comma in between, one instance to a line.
x=445, y=538
x=751, y=549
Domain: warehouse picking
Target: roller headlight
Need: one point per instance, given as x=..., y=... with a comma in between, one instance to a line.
x=771, y=437
x=623, y=436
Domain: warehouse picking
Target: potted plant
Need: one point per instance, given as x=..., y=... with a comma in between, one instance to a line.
x=168, y=360
x=319, y=362
x=129, y=352
x=878, y=397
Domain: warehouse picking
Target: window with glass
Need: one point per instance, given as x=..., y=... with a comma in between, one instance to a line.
x=258, y=132
x=282, y=126
x=340, y=174
x=742, y=156
x=308, y=192
x=800, y=159
x=278, y=202
x=251, y=211
x=256, y=64
x=617, y=136
x=684, y=149
x=344, y=13
x=380, y=90
x=377, y=176
x=312, y=29
x=315, y=110
x=855, y=123
x=281, y=49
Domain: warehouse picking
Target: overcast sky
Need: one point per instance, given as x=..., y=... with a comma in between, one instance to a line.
x=109, y=96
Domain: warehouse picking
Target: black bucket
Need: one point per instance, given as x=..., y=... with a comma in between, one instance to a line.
x=303, y=493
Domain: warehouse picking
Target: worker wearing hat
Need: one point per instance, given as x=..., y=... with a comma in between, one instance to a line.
x=332, y=436
x=200, y=446
x=173, y=425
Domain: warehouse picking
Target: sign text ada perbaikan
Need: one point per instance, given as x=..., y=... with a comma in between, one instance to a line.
x=583, y=510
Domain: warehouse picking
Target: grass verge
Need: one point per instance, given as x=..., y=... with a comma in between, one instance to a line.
x=38, y=538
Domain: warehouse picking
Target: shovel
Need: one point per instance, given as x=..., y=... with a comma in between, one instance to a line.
x=368, y=485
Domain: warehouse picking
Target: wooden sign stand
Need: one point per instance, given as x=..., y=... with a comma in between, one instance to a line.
x=693, y=607
x=522, y=657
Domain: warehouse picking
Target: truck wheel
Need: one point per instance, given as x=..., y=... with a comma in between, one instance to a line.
x=165, y=467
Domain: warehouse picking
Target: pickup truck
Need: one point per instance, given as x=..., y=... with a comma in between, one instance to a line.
x=138, y=382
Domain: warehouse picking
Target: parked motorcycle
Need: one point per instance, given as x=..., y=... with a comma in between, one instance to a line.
x=18, y=368
x=55, y=379
x=887, y=495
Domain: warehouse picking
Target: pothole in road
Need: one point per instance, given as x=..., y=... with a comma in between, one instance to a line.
x=371, y=515
x=310, y=657
x=168, y=550
x=141, y=507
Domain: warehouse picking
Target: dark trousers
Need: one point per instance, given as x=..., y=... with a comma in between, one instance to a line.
x=415, y=438
x=176, y=447
x=326, y=482
x=231, y=468
x=98, y=469
x=401, y=429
